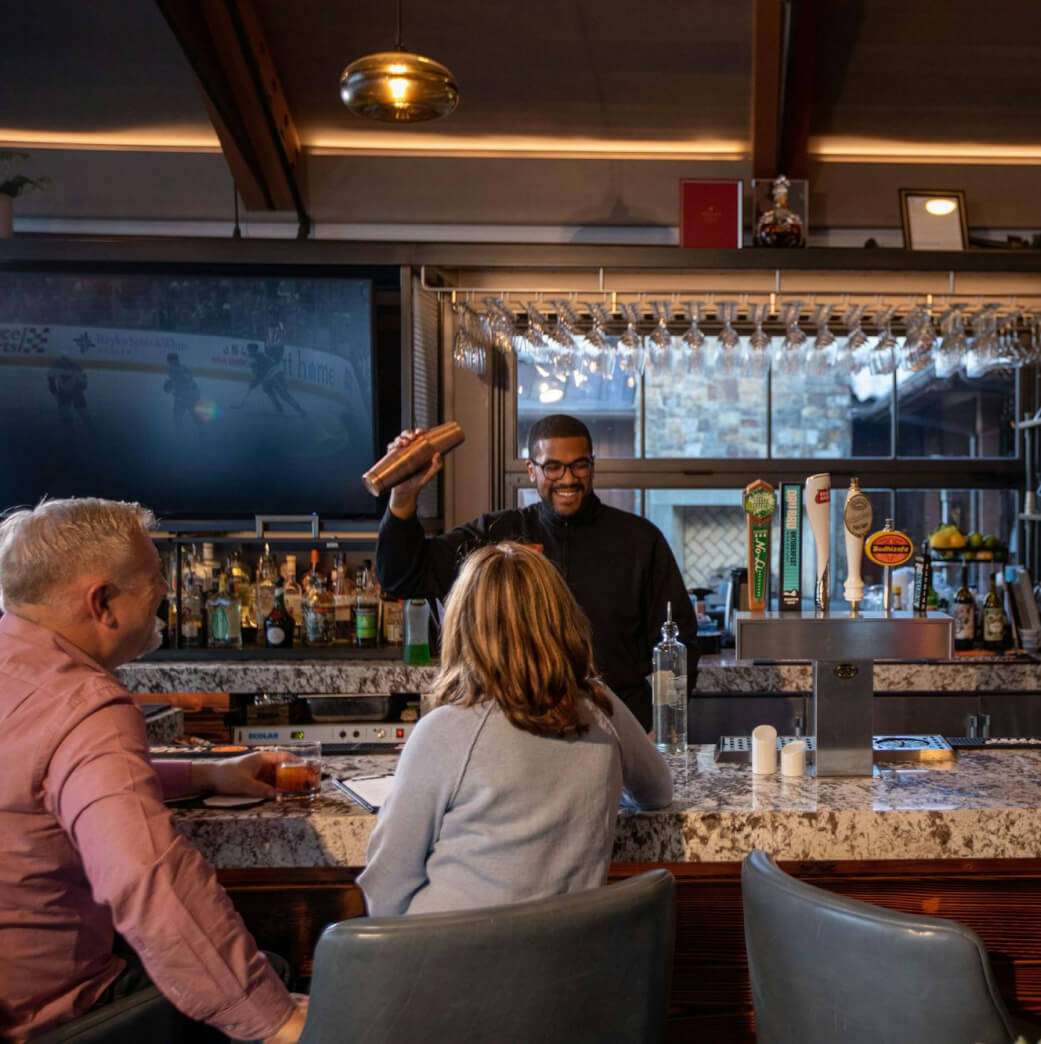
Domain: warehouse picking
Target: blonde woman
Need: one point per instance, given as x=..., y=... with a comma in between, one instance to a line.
x=510, y=788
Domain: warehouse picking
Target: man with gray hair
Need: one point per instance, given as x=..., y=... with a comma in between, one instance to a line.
x=89, y=846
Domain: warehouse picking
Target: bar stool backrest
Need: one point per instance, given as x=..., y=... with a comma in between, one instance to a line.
x=825, y=968
x=591, y=966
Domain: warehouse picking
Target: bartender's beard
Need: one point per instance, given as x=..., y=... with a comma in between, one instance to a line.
x=583, y=492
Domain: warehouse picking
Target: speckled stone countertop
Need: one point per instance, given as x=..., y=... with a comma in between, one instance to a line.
x=716, y=674
x=986, y=806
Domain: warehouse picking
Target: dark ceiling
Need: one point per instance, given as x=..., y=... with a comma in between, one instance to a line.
x=600, y=96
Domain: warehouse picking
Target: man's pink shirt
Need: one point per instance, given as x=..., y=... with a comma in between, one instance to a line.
x=89, y=847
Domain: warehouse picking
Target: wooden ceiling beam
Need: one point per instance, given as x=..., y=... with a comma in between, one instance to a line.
x=767, y=22
x=800, y=56
x=229, y=54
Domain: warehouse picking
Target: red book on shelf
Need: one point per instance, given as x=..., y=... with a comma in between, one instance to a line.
x=710, y=213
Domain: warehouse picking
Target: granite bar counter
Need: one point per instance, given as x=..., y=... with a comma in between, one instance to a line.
x=716, y=674
x=987, y=805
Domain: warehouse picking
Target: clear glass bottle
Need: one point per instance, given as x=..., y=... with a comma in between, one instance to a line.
x=319, y=612
x=964, y=615
x=264, y=589
x=669, y=689
x=278, y=624
x=241, y=586
x=224, y=615
x=208, y=569
x=392, y=611
x=366, y=611
x=993, y=619
x=192, y=627
x=293, y=594
x=343, y=596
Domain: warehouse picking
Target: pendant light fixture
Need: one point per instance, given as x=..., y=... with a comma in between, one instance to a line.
x=397, y=86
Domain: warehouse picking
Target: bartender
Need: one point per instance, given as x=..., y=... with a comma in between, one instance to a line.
x=618, y=565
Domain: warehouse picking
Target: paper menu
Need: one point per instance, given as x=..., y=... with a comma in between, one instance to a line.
x=368, y=791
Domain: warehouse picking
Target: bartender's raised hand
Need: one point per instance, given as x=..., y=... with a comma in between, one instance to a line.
x=404, y=496
x=251, y=775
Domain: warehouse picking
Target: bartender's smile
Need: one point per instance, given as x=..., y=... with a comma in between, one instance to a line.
x=562, y=470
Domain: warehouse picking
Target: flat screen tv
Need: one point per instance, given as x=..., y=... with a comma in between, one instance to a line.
x=202, y=394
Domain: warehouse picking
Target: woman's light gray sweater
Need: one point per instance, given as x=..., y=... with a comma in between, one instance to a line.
x=483, y=813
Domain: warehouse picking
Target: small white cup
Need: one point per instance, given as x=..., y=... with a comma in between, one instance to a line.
x=764, y=750
x=793, y=758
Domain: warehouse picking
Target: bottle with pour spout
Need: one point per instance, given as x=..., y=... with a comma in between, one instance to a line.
x=669, y=689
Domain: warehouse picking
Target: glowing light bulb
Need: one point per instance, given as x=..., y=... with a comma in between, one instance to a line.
x=398, y=88
x=941, y=207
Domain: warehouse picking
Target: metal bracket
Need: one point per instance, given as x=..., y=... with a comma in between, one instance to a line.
x=311, y=521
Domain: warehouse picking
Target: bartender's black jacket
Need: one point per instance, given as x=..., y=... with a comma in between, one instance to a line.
x=618, y=566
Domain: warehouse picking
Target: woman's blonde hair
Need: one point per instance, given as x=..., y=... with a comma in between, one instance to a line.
x=513, y=633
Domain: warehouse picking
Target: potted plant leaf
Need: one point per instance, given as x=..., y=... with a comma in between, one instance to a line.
x=12, y=184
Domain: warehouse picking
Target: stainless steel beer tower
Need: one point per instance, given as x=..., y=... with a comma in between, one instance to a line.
x=843, y=649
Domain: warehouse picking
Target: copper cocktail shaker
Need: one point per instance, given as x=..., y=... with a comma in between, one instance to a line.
x=401, y=463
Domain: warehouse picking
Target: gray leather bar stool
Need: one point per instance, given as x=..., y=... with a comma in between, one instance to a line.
x=593, y=966
x=825, y=968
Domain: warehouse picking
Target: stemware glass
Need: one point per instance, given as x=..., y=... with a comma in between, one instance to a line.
x=694, y=349
x=819, y=354
x=851, y=355
x=659, y=356
x=756, y=355
x=604, y=362
x=630, y=349
x=728, y=358
x=788, y=355
x=882, y=360
x=471, y=339
x=949, y=355
x=916, y=353
x=984, y=351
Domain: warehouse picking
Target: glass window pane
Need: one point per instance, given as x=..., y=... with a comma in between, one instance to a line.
x=705, y=415
x=956, y=417
x=608, y=407
x=828, y=416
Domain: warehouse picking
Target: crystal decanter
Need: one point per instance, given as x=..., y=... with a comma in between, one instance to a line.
x=779, y=226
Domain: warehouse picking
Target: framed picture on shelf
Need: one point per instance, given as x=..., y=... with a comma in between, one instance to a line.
x=934, y=219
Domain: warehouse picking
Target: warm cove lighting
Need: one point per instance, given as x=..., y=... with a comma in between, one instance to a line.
x=941, y=207
x=389, y=143
x=836, y=149
x=157, y=139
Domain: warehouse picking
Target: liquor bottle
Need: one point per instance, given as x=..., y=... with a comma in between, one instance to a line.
x=293, y=594
x=278, y=624
x=779, y=226
x=669, y=689
x=241, y=587
x=192, y=631
x=343, y=596
x=366, y=611
x=264, y=589
x=964, y=615
x=225, y=617
x=208, y=568
x=393, y=614
x=319, y=611
x=993, y=619
x=417, y=632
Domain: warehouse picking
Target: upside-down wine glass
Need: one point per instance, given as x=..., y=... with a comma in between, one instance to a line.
x=728, y=356
x=605, y=360
x=694, y=347
x=788, y=355
x=659, y=339
x=756, y=356
x=882, y=360
x=950, y=352
x=630, y=349
x=819, y=353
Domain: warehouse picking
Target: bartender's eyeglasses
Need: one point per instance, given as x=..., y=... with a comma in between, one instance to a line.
x=554, y=469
